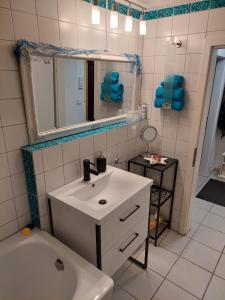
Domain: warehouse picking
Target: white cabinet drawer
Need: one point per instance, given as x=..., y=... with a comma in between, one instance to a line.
x=115, y=257
x=124, y=220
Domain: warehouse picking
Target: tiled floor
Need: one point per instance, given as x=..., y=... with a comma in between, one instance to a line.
x=181, y=268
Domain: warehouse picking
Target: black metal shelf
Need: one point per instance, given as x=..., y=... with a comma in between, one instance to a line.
x=158, y=200
x=161, y=228
x=159, y=194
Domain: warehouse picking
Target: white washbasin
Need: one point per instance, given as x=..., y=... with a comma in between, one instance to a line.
x=102, y=194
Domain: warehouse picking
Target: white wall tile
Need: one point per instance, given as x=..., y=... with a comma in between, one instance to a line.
x=195, y=43
x=148, y=64
x=47, y=9
x=84, y=37
x=6, y=27
x=24, y=220
x=4, y=169
x=8, y=229
x=111, y=137
x=52, y=157
x=192, y=63
x=68, y=35
x=2, y=142
x=180, y=24
x=5, y=189
x=48, y=31
x=40, y=184
x=72, y=171
x=54, y=179
x=86, y=146
x=10, y=86
x=216, y=19
x=7, y=212
x=12, y=112
x=38, y=162
x=121, y=134
x=22, y=205
x=164, y=27
x=198, y=22
x=15, y=136
x=151, y=27
x=43, y=205
x=71, y=151
x=149, y=47
x=4, y=3
x=15, y=161
x=7, y=58
x=100, y=142
x=25, y=26
x=162, y=45
x=24, y=5
x=19, y=184
x=67, y=11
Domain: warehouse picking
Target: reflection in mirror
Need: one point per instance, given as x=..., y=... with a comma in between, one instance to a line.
x=70, y=91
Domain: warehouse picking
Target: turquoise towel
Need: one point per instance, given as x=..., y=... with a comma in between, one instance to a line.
x=178, y=94
x=112, y=88
x=158, y=102
x=177, y=105
x=178, y=81
x=114, y=97
x=112, y=77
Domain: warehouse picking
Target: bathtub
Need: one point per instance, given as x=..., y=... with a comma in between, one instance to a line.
x=39, y=267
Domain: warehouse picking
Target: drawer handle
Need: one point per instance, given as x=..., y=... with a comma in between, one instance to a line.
x=130, y=242
x=130, y=214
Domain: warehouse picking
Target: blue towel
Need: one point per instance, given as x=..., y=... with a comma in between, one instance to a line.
x=114, y=97
x=158, y=102
x=112, y=88
x=178, y=94
x=178, y=81
x=112, y=77
x=177, y=105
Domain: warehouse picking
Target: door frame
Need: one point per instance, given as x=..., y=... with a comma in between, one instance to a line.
x=205, y=83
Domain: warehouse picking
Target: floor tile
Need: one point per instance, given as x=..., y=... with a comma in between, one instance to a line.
x=215, y=222
x=159, y=260
x=202, y=204
x=174, y=242
x=201, y=255
x=194, y=227
x=190, y=277
x=119, y=294
x=121, y=270
x=218, y=210
x=198, y=214
x=169, y=291
x=210, y=237
x=220, y=269
x=142, y=284
x=216, y=289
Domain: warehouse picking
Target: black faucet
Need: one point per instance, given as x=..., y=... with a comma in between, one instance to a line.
x=88, y=170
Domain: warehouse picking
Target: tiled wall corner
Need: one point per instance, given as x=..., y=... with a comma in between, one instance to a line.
x=175, y=128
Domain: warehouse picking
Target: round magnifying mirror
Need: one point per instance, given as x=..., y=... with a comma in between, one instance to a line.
x=148, y=135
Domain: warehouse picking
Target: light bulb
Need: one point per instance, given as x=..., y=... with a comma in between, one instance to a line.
x=128, y=23
x=95, y=15
x=114, y=19
x=142, y=27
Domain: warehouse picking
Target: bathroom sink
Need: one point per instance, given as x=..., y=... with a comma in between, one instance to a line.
x=102, y=194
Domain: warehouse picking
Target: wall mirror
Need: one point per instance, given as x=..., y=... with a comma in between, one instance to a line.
x=68, y=91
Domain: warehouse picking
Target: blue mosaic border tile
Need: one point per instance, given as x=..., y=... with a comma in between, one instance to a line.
x=62, y=140
x=165, y=12
x=31, y=187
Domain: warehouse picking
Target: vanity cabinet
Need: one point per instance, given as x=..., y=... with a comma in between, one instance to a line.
x=109, y=242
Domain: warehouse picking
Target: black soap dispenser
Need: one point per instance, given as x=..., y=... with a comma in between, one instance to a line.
x=101, y=163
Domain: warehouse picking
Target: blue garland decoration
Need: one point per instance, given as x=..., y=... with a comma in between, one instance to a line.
x=22, y=46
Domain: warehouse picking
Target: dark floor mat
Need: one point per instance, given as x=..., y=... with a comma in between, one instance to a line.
x=213, y=191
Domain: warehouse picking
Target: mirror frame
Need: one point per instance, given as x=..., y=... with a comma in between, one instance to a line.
x=24, y=51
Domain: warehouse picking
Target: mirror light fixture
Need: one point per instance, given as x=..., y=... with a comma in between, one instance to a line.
x=128, y=20
x=114, y=16
x=142, y=25
x=95, y=14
